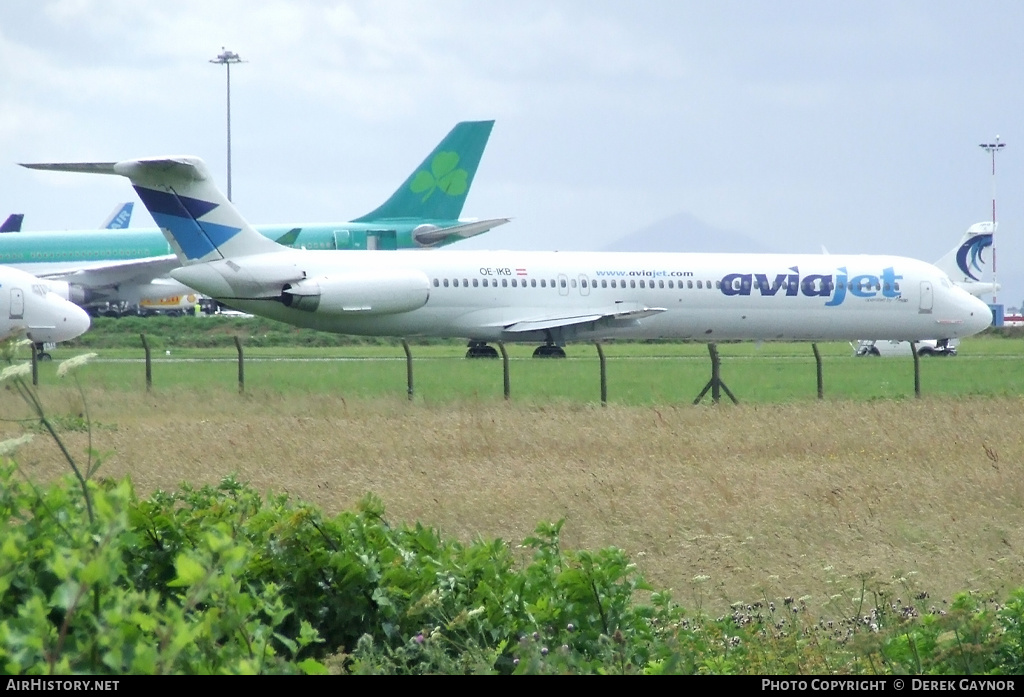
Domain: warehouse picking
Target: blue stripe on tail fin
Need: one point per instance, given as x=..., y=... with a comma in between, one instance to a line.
x=179, y=215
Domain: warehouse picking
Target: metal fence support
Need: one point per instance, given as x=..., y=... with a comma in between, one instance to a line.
x=715, y=384
x=408, y=367
x=504, y=362
x=35, y=366
x=148, y=363
x=241, y=365
x=604, y=375
x=821, y=380
x=917, y=369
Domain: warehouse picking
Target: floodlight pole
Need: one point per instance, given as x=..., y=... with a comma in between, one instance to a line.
x=226, y=58
x=992, y=149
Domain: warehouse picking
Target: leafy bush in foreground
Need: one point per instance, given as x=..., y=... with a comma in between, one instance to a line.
x=217, y=580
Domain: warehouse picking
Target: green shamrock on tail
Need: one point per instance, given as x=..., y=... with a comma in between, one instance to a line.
x=443, y=175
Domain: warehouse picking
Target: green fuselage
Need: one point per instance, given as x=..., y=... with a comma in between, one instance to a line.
x=45, y=252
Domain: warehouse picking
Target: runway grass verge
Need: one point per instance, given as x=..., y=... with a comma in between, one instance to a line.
x=636, y=373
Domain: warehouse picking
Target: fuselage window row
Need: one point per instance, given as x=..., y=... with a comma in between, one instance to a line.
x=585, y=283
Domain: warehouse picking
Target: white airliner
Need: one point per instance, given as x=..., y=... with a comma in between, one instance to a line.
x=549, y=297
x=29, y=307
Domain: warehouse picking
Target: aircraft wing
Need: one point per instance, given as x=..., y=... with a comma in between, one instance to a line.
x=434, y=235
x=616, y=313
x=113, y=273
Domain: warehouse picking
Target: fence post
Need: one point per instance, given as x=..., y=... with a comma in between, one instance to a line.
x=715, y=384
x=504, y=368
x=241, y=365
x=149, y=364
x=35, y=367
x=408, y=367
x=917, y=369
x=604, y=375
x=821, y=382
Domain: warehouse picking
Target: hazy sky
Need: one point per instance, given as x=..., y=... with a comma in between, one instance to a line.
x=853, y=125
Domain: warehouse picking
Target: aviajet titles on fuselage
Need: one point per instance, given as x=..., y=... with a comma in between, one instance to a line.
x=833, y=286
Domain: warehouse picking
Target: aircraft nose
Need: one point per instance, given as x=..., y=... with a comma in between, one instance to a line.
x=979, y=315
x=75, y=323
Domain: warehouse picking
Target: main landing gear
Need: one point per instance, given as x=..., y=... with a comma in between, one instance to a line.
x=41, y=354
x=549, y=351
x=479, y=349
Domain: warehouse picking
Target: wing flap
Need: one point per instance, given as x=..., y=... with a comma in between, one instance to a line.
x=616, y=313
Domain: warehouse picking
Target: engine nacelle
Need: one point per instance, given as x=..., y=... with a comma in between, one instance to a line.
x=68, y=291
x=420, y=230
x=379, y=292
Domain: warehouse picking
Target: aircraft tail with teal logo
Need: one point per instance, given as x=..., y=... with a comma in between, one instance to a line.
x=437, y=189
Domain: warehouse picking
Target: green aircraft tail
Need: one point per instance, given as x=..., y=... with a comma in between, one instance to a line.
x=439, y=186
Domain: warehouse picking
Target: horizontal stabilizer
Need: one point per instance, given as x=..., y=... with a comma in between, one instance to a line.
x=428, y=235
x=88, y=167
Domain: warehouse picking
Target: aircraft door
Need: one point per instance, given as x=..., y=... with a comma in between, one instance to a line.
x=382, y=239
x=927, y=298
x=563, y=284
x=584, y=285
x=17, y=303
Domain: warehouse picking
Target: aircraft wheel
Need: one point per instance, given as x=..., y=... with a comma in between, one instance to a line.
x=549, y=351
x=874, y=352
x=482, y=351
x=44, y=357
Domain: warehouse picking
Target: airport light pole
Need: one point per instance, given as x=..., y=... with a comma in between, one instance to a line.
x=226, y=58
x=992, y=149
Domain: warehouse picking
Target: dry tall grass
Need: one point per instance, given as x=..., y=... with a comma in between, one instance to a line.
x=802, y=499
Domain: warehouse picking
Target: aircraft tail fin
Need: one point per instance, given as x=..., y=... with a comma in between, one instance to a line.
x=196, y=218
x=120, y=217
x=965, y=263
x=13, y=223
x=437, y=189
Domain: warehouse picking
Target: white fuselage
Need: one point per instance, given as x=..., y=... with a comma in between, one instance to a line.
x=568, y=296
x=28, y=306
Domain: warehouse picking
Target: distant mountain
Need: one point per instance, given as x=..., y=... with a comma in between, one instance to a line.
x=683, y=232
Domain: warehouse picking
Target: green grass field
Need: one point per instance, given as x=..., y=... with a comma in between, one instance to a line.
x=637, y=373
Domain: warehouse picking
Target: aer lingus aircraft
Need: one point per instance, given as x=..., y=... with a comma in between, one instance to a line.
x=548, y=297
x=29, y=307
x=131, y=266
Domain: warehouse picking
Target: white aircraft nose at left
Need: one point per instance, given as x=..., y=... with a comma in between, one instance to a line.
x=980, y=315
x=76, y=322
x=68, y=321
